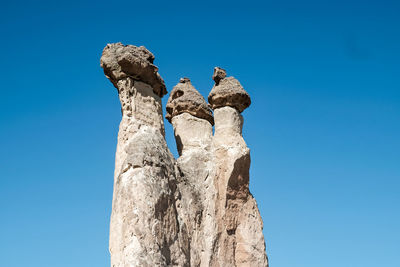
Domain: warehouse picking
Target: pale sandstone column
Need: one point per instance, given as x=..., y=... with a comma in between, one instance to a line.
x=144, y=229
x=240, y=238
x=192, y=121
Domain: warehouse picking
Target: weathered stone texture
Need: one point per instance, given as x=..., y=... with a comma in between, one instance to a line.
x=120, y=61
x=184, y=98
x=195, y=210
x=227, y=91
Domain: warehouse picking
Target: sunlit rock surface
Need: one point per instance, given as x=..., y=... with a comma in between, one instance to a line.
x=195, y=210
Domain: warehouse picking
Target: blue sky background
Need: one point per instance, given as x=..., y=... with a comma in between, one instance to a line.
x=323, y=127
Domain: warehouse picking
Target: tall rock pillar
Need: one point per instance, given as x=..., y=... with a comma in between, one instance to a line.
x=192, y=120
x=144, y=226
x=240, y=239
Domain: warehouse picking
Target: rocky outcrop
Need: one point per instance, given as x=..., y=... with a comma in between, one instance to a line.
x=121, y=61
x=227, y=92
x=184, y=98
x=195, y=210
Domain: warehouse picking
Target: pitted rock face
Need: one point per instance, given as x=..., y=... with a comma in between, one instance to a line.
x=185, y=98
x=227, y=91
x=120, y=61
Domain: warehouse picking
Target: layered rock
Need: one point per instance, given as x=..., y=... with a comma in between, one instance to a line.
x=195, y=210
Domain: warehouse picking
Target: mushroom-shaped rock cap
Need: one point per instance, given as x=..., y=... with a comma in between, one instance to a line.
x=120, y=61
x=185, y=98
x=227, y=91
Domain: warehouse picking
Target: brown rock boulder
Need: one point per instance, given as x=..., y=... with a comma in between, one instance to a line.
x=185, y=98
x=120, y=61
x=227, y=91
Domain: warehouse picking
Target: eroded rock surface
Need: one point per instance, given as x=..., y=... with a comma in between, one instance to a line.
x=121, y=61
x=184, y=98
x=195, y=210
x=227, y=91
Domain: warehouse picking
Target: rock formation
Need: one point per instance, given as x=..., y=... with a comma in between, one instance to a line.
x=196, y=210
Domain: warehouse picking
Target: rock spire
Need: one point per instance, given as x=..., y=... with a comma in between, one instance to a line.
x=195, y=210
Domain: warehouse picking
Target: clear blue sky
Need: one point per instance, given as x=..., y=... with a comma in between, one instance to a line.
x=323, y=127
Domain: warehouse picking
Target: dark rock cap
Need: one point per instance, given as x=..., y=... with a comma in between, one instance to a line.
x=227, y=91
x=120, y=61
x=185, y=98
